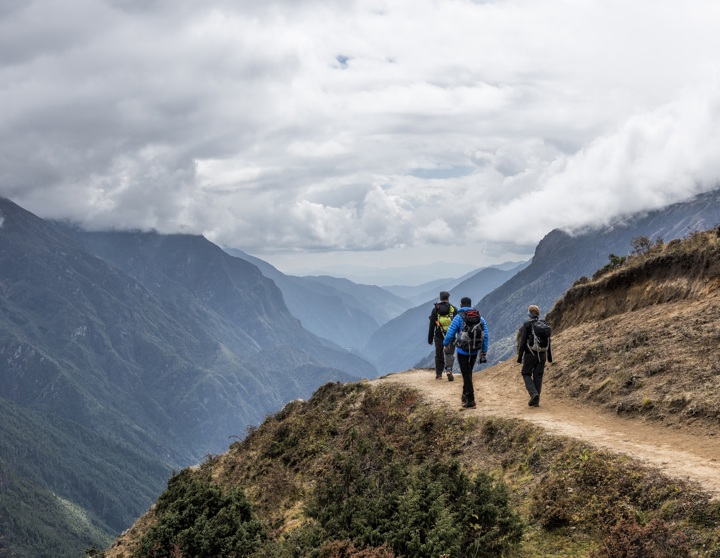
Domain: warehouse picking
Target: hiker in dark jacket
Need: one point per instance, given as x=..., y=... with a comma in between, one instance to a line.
x=440, y=318
x=533, y=361
x=466, y=358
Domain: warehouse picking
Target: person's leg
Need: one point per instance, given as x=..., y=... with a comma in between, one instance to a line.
x=530, y=362
x=466, y=363
x=439, y=358
x=471, y=389
x=463, y=361
x=449, y=357
x=538, y=373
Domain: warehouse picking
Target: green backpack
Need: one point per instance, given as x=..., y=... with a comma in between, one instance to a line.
x=445, y=314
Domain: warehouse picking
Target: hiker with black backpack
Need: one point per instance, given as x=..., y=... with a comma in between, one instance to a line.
x=469, y=332
x=534, y=350
x=440, y=319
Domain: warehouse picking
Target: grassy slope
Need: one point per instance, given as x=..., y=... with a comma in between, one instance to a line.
x=569, y=494
x=643, y=339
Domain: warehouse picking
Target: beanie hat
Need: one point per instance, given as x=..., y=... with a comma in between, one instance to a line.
x=465, y=301
x=534, y=310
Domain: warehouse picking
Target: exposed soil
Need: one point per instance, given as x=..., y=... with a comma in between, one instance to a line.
x=691, y=454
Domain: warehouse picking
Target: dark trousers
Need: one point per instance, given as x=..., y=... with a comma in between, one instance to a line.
x=439, y=356
x=533, y=369
x=466, y=363
x=442, y=359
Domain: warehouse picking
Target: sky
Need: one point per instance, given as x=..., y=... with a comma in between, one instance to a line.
x=366, y=133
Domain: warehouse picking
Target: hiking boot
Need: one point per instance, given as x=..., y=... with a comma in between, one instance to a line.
x=438, y=376
x=469, y=405
x=534, y=400
x=464, y=398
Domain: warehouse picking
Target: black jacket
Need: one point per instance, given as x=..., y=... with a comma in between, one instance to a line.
x=435, y=332
x=522, y=338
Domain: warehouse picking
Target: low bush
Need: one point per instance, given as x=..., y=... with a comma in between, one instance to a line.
x=195, y=518
x=657, y=539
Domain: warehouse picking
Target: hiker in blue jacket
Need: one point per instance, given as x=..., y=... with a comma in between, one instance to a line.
x=467, y=354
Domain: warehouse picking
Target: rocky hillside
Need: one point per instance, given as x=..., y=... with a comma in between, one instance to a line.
x=366, y=470
x=560, y=258
x=643, y=338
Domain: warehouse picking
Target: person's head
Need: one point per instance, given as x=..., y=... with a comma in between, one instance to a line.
x=533, y=311
x=465, y=302
x=444, y=295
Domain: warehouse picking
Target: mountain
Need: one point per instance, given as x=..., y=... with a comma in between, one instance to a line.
x=124, y=356
x=388, y=468
x=392, y=275
x=337, y=309
x=192, y=272
x=561, y=259
x=402, y=342
x=420, y=294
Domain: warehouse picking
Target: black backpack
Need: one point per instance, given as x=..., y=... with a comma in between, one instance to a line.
x=472, y=333
x=539, y=338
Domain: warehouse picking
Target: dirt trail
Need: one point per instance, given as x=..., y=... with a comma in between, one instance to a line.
x=499, y=391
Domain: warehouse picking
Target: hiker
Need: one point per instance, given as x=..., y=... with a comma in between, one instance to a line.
x=534, y=349
x=469, y=332
x=440, y=318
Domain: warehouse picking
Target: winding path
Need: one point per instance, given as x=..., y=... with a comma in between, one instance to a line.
x=499, y=391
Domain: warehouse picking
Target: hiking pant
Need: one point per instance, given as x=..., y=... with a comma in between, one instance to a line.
x=533, y=369
x=466, y=363
x=443, y=360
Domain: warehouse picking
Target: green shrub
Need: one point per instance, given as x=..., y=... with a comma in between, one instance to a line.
x=372, y=497
x=196, y=518
x=346, y=549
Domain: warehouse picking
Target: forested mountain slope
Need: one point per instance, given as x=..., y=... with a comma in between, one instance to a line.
x=140, y=364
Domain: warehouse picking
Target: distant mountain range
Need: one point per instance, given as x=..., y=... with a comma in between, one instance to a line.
x=392, y=275
x=333, y=308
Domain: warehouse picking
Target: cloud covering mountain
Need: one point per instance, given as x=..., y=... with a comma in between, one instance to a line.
x=406, y=131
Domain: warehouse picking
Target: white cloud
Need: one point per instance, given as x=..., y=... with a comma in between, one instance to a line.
x=366, y=125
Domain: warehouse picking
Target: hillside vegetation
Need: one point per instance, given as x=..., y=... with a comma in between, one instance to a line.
x=366, y=470
x=642, y=336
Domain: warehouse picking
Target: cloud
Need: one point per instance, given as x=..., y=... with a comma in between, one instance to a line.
x=654, y=159
x=369, y=125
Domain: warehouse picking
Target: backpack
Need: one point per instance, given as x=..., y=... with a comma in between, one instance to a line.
x=472, y=333
x=445, y=315
x=539, y=338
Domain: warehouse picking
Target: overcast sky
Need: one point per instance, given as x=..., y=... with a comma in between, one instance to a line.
x=367, y=132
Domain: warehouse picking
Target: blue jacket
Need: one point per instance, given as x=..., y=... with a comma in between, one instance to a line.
x=456, y=327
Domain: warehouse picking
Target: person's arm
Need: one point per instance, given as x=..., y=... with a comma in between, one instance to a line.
x=523, y=341
x=486, y=337
x=431, y=331
x=452, y=330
